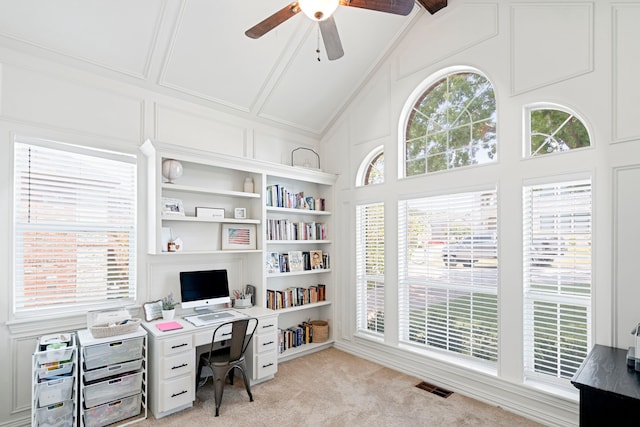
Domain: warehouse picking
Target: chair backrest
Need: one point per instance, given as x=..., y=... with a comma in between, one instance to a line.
x=242, y=331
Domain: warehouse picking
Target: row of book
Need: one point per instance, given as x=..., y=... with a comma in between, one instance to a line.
x=293, y=261
x=295, y=336
x=279, y=196
x=295, y=296
x=285, y=229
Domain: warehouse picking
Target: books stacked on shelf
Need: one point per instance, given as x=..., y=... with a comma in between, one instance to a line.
x=295, y=336
x=296, y=261
x=295, y=296
x=285, y=229
x=279, y=196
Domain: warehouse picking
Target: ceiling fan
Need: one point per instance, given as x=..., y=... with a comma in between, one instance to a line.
x=322, y=12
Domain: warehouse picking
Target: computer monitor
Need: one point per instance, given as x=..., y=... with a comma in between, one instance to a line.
x=203, y=289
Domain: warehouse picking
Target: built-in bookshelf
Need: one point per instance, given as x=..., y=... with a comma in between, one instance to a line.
x=298, y=263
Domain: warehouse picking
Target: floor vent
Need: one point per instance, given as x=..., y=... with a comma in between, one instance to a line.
x=434, y=389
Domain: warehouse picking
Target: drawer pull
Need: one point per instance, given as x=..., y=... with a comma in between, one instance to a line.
x=267, y=365
x=227, y=334
x=268, y=343
x=178, y=394
x=179, y=345
x=180, y=366
x=267, y=326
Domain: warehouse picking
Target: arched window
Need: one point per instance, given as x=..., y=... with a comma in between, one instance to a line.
x=371, y=170
x=553, y=129
x=452, y=124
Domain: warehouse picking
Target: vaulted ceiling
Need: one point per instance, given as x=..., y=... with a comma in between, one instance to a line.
x=197, y=50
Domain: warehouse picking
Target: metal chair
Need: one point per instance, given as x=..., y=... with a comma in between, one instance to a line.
x=235, y=337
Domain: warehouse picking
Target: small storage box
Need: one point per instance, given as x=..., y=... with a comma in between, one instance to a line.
x=56, y=415
x=48, y=356
x=54, y=391
x=101, y=355
x=104, y=391
x=111, y=370
x=113, y=411
x=55, y=370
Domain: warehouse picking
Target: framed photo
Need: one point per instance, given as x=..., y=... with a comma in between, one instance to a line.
x=240, y=213
x=316, y=260
x=238, y=236
x=172, y=207
x=209, y=213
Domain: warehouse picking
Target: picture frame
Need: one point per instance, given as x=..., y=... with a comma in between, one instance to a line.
x=209, y=213
x=238, y=236
x=240, y=213
x=152, y=310
x=172, y=207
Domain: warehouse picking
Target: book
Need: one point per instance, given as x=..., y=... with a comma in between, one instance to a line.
x=168, y=326
x=296, y=262
x=273, y=262
x=316, y=259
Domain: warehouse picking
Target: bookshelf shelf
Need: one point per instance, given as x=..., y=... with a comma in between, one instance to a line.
x=298, y=211
x=298, y=242
x=299, y=273
x=302, y=307
x=203, y=190
x=224, y=220
x=303, y=349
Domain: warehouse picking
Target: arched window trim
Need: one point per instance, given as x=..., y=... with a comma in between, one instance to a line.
x=526, y=140
x=366, y=164
x=417, y=93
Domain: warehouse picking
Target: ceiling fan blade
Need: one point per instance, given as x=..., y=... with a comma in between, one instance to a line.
x=397, y=7
x=263, y=27
x=331, y=38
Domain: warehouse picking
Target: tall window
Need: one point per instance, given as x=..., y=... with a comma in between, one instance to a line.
x=557, y=278
x=553, y=130
x=370, y=267
x=451, y=125
x=371, y=170
x=75, y=228
x=448, y=268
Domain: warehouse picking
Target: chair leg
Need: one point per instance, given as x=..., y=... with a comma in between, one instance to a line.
x=218, y=389
x=242, y=367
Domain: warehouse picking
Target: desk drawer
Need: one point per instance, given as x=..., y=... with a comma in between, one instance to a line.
x=176, y=392
x=176, y=345
x=265, y=365
x=267, y=325
x=266, y=342
x=180, y=364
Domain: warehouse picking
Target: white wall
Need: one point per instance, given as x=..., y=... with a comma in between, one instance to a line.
x=580, y=54
x=39, y=98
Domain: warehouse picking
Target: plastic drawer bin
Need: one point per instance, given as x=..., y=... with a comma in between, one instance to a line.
x=44, y=356
x=104, y=391
x=54, y=391
x=98, y=356
x=113, y=411
x=109, y=371
x=56, y=415
x=55, y=370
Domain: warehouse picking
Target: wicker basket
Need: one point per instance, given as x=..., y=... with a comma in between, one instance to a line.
x=320, y=330
x=104, y=331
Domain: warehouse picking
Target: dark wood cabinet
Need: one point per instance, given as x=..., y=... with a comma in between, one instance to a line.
x=609, y=389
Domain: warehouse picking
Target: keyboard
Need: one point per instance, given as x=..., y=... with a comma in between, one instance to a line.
x=210, y=318
x=214, y=316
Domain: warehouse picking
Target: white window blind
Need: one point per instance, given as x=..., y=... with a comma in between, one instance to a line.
x=445, y=304
x=74, y=227
x=370, y=267
x=557, y=278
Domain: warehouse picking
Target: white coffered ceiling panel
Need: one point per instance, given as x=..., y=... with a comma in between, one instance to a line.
x=317, y=90
x=115, y=34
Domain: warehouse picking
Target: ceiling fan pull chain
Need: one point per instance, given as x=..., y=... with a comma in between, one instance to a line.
x=318, y=45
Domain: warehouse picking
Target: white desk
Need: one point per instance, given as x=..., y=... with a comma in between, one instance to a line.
x=173, y=360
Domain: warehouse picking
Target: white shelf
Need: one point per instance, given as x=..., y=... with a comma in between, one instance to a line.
x=297, y=211
x=220, y=220
x=302, y=307
x=299, y=273
x=203, y=190
x=221, y=251
x=305, y=348
x=298, y=242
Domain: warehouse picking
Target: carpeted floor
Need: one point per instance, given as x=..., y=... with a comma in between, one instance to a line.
x=334, y=388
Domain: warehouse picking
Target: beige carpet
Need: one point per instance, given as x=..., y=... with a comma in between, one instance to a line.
x=334, y=388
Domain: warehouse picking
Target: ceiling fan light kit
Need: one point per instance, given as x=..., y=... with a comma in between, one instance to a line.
x=318, y=10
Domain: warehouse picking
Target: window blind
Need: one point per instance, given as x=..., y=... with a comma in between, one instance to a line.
x=370, y=267
x=74, y=227
x=557, y=278
x=444, y=304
